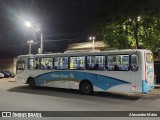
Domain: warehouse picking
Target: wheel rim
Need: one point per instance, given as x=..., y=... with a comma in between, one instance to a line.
x=32, y=83
x=86, y=88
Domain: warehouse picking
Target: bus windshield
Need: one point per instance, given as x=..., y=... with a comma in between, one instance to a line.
x=149, y=57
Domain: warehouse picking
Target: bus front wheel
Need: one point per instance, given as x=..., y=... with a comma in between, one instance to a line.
x=31, y=83
x=86, y=87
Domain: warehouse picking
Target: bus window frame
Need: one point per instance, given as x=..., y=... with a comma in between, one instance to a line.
x=61, y=57
x=84, y=62
x=97, y=69
x=117, y=55
x=41, y=64
x=38, y=64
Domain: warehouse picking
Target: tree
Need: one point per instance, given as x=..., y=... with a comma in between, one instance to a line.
x=129, y=24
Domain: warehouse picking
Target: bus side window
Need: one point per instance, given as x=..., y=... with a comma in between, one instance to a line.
x=96, y=62
x=33, y=63
x=46, y=63
x=134, y=62
x=36, y=63
x=118, y=62
x=61, y=63
x=77, y=63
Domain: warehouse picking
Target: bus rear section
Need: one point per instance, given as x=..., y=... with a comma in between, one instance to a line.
x=148, y=82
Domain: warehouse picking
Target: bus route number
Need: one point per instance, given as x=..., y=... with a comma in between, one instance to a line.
x=94, y=76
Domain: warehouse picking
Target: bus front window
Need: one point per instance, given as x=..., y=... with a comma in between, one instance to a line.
x=149, y=57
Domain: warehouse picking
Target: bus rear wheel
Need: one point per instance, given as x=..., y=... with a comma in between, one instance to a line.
x=31, y=83
x=86, y=88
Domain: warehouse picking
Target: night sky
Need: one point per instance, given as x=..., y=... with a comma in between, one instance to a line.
x=63, y=22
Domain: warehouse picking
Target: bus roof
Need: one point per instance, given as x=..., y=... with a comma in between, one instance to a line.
x=123, y=51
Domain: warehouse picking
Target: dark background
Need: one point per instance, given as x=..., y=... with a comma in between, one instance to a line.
x=63, y=22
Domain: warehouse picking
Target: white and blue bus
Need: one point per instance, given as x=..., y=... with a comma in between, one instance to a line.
x=124, y=71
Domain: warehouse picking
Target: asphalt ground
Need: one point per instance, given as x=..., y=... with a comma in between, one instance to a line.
x=17, y=97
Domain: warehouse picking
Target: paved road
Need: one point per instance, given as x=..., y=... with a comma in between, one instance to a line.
x=15, y=97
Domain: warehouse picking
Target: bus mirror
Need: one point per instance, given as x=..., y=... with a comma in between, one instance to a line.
x=134, y=68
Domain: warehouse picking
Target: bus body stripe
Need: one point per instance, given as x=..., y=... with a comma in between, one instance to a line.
x=100, y=81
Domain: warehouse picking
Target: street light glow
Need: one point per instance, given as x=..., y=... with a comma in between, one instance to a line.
x=28, y=24
x=30, y=41
x=92, y=38
x=139, y=18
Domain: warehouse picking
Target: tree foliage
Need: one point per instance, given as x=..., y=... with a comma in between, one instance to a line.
x=119, y=21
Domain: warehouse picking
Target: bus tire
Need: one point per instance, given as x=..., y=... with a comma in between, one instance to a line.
x=32, y=83
x=86, y=87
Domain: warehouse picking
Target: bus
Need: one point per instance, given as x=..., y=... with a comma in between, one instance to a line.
x=122, y=71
